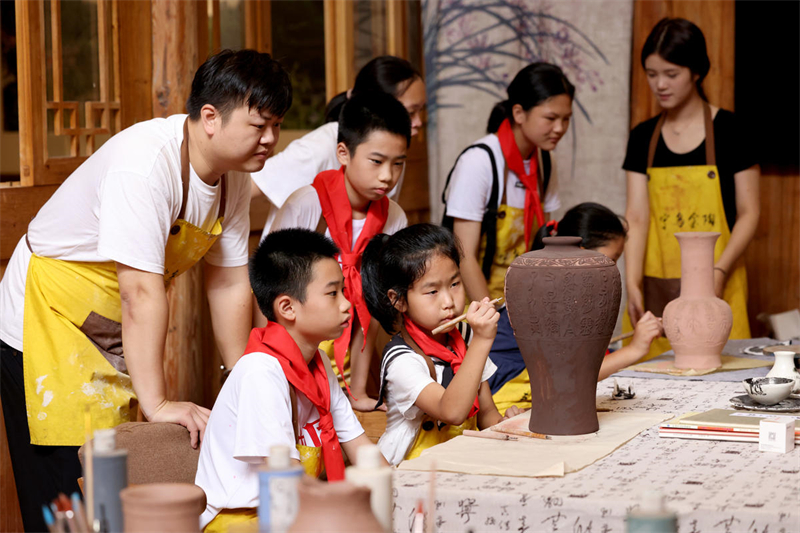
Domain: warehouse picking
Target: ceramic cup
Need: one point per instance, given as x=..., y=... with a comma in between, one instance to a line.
x=768, y=391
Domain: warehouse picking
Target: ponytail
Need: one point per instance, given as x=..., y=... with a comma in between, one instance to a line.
x=500, y=112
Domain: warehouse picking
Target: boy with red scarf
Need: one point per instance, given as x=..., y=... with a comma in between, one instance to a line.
x=283, y=390
x=350, y=206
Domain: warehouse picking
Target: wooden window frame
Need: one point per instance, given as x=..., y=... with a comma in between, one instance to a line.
x=40, y=175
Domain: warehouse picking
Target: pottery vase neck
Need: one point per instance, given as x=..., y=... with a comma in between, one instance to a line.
x=697, y=263
x=784, y=360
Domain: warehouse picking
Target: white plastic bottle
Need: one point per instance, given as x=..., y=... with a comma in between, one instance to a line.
x=278, y=499
x=370, y=471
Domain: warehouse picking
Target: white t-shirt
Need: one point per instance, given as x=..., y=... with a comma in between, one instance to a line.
x=407, y=375
x=253, y=412
x=471, y=183
x=298, y=164
x=302, y=210
x=119, y=205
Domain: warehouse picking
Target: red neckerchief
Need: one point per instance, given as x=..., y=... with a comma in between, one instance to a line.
x=432, y=348
x=309, y=378
x=533, y=205
x=338, y=214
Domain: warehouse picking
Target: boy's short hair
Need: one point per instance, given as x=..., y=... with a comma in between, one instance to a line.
x=367, y=112
x=229, y=79
x=284, y=263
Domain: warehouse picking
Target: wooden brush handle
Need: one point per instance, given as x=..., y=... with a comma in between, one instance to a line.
x=458, y=319
x=621, y=337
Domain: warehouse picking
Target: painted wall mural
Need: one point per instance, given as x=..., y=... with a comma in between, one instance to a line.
x=473, y=49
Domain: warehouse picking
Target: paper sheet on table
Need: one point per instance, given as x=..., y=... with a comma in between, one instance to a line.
x=534, y=457
x=729, y=363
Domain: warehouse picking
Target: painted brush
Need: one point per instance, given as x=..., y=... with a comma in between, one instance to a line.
x=488, y=435
x=449, y=324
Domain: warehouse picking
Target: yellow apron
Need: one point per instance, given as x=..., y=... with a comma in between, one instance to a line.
x=327, y=347
x=430, y=434
x=72, y=336
x=685, y=199
x=510, y=245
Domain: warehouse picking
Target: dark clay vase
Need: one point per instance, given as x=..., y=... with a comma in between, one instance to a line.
x=563, y=303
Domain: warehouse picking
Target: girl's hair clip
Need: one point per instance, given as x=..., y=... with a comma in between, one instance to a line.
x=552, y=225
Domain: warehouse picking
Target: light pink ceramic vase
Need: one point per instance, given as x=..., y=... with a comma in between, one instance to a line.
x=697, y=323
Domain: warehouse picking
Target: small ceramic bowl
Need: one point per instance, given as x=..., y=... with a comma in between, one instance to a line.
x=768, y=391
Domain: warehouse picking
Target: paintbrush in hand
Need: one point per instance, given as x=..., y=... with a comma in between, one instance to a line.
x=456, y=320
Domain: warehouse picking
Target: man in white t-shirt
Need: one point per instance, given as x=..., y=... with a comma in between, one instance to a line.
x=283, y=391
x=91, y=275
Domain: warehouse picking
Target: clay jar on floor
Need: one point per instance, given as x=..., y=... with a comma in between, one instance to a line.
x=697, y=323
x=563, y=303
x=334, y=507
x=162, y=507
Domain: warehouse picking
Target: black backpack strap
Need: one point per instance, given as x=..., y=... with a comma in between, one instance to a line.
x=547, y=167
x=489, y=222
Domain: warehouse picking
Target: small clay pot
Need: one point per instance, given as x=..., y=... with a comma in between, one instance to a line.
x=697, y=323
x=562, y=303
x=336, y=507
x=163, y=507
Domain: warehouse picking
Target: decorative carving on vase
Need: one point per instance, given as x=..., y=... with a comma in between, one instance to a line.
x=563, y=303
x=697, y=323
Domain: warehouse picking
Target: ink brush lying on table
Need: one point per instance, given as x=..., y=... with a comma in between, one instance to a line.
x=488, y=435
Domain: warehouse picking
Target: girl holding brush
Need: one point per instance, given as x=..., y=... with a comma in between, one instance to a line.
x=434, y=386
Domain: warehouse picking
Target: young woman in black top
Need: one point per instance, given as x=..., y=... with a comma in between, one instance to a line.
x=689, y=169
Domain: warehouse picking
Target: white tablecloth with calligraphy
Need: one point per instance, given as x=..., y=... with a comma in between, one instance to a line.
x=714, y=486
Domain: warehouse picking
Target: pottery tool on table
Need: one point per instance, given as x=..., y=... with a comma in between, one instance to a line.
x=488, y=435
x=456, y=320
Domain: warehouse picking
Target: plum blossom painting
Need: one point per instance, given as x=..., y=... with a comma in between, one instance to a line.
x=473, y=49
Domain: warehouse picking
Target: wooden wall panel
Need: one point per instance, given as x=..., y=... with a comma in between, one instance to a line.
x=773, y=257
x=175, y=58
x=136, y=70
